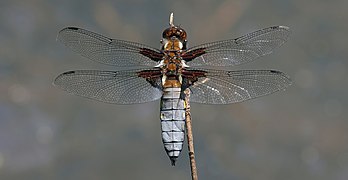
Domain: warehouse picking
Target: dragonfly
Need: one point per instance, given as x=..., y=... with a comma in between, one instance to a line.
x=143, y=74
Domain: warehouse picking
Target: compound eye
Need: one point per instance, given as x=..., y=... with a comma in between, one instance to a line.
x=181, y=33
x=166, y=33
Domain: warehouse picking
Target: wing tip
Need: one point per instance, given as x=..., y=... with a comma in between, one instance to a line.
x=71, y=28
x=284, y=27
x=286, y=78
x=56, y=80
x=287, y=30
x=68, y=72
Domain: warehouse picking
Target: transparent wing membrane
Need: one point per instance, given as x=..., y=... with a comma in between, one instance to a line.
x=224, y=87
x=119, y=87
x=108, y=51
x=238, y=51
x=144, y=85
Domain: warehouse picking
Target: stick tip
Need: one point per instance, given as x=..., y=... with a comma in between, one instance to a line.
x=171, y=19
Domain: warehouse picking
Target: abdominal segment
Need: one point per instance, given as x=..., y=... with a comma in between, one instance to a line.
x=173, y=122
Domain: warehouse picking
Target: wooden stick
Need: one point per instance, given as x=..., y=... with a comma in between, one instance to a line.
x=189, y=134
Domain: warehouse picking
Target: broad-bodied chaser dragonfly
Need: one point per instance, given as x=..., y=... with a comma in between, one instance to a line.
x=167, y=72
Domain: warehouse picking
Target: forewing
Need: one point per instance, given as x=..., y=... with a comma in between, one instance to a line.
x=237, y=51
x=118, y=87
x=225, y=87
x=108, y=51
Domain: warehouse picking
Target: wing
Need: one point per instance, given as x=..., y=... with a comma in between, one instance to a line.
x=237, y=51
x=224, y=87
x=118, y=87
x=108, y=51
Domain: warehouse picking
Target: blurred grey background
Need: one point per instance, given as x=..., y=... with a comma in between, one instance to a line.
x=300, y=133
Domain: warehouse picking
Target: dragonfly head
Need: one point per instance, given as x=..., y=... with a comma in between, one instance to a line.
x=174, y=31
x=175, y=36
